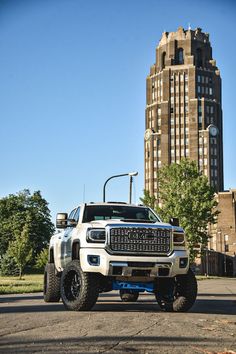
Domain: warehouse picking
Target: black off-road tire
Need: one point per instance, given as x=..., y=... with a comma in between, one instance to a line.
x=79, y=290
x=129, y=295
x=184, y=296
x=51, y=287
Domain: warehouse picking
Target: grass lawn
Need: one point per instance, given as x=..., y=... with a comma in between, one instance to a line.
x=28, y=284
x=31, y=283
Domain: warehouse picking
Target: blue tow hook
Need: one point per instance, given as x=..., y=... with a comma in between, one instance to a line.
x=140, y=287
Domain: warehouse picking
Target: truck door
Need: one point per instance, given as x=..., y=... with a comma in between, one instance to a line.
x=65, y=238
x=68, y=236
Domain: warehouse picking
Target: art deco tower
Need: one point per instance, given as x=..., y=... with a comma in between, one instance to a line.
x=183, y=111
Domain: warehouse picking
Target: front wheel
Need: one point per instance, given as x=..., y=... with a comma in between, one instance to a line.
x=51, y=286
x=79, y=290
x=177, y=294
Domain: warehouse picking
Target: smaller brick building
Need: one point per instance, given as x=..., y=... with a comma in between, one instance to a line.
x=223, y=233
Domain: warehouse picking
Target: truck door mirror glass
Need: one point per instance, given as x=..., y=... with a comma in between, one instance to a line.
x=61, y=220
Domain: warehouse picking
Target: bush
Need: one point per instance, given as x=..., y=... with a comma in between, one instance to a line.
x=42, y=259
x=8, y=266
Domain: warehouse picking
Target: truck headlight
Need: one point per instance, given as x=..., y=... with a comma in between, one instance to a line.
x=96, y=235
x=179, y=238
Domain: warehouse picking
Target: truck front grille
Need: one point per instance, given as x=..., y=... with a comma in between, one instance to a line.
x=140, y=240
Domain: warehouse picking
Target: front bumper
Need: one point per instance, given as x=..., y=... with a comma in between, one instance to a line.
x=132, y=266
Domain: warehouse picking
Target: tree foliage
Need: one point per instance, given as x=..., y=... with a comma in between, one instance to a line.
x=8, y=266
x=185, y=193
x=148, y=199
x=20, y=248
x=15, y=212
x=42, y=259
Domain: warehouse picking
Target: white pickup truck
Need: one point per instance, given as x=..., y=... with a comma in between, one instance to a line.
x=117, y=246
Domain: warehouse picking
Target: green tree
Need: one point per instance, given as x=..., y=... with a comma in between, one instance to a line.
x=148, y=199
x=20, y=248
x=8, y=266
x=14, y=211
x=42, y=259
x=185, y=193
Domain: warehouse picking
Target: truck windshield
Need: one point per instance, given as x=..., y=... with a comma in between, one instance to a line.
x=121, y=212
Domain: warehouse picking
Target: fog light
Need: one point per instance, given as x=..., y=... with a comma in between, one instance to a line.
x=183, y=262
x=94, y=260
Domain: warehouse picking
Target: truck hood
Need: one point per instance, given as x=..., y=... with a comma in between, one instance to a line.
x=112, y=222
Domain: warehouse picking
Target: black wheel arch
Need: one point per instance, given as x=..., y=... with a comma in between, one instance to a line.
x=75, y=249
x=51, y=255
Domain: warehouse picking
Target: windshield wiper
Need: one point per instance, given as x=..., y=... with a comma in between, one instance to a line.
x=145, y=221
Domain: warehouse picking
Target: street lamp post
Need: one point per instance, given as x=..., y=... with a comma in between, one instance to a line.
x=131, y=174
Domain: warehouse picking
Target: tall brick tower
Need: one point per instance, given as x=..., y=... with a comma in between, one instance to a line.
x=183, y=111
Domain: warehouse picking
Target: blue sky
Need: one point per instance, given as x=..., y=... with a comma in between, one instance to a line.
x=73, y=85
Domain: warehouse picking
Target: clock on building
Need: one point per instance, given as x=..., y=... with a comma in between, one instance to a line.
x=147, y=135
x=213, y=130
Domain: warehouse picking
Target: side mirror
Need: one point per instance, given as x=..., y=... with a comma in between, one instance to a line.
x=174, y=221
x=71, y=222
x=61, y=220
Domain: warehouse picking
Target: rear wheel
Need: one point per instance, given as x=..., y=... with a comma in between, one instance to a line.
x=79, y=290
x=177, y=294
x=51, y=288
x=129, y=295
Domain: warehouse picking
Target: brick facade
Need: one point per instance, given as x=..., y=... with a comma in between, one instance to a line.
x=223, y=234
x=183, y=105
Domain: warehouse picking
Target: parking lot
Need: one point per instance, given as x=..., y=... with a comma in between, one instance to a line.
x=28, y=325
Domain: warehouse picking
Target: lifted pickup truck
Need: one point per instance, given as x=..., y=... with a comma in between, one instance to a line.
x=117, y=246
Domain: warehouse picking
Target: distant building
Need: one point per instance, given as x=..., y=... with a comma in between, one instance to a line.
x=223, y=234
x=183, y=111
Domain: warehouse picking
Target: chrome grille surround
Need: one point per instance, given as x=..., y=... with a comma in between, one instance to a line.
x=139, y=239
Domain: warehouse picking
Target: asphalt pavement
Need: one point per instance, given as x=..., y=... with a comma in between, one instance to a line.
x=28, y=325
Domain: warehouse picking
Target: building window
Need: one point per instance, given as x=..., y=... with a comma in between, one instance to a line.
x=163, y=60
x=199, y=89
x=199, y=78
x=210, y=91
x=199, y=58
x=180, y=56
